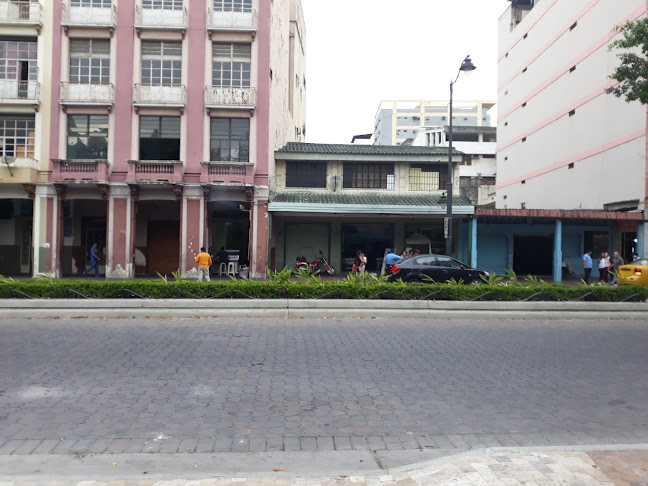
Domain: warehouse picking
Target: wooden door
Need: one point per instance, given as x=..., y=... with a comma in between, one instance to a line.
x=163, y=247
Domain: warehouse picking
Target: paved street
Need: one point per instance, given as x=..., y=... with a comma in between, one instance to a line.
x=127, y=386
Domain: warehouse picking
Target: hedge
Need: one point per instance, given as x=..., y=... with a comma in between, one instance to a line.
x=68, y=289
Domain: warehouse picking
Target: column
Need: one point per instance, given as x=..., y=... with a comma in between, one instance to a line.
x=192, y=229
x=47, y=231
x=120, y=233
x=557, y=259
x=642, y=238
x=473, y=242
x=259, y=234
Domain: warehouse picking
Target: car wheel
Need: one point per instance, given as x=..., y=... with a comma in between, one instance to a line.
x=477, y=281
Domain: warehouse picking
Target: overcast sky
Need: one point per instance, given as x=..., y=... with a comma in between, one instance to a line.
x=362, y=51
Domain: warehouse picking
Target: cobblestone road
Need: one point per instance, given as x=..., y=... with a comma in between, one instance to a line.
x=94, y=386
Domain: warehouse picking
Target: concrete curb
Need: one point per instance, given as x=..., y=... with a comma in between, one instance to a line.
x=276, y=308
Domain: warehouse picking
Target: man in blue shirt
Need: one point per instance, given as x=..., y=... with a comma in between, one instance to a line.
x=94, y=260
x=587, y=263
x=391, y=258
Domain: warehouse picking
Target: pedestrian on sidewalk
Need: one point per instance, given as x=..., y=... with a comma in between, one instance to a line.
x=363, y=263
x=94, y=260
x=587, y=264
x=603, y=265
x=617, y=262
x=204, y=261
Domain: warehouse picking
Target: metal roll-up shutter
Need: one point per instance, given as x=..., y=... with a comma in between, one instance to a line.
x=492, y=253
x=306, y=240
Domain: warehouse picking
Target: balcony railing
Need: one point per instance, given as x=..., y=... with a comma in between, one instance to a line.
x=232, y=21
x=88, y=94
x=21, y=13
x=13, y=90
x=162, y=96
x=95, y=17
x=80, y=170
x=228, y=173
x=155, y=171
x=217, y=97
x=13, y=162
x=160, y=18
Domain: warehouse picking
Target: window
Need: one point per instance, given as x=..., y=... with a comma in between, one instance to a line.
x=306, y=174
x=89, y=61
x=161, y=63
x=18, y=60
x=231, y=65
x=230, y=139
x=159, y=138
x=17, y=137
x=446, y=262
x=427, y=261
x=87, y=137
x=368, y=176
x=162, y=4
x=425, y=177
x=91, y=3
x=233, y=5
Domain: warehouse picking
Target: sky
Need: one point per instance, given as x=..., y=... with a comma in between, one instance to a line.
x=359, y=52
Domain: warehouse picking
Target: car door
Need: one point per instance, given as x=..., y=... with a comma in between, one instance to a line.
x=420, y=267
x=451, y=269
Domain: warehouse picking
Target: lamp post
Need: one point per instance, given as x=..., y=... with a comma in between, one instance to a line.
x=467, y=67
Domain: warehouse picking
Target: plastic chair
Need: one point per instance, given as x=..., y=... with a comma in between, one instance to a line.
x=232, y=268
x=222, y=269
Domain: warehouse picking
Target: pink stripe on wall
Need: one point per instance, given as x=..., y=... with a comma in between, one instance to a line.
x=577, y=158
x=55, y=82
x=123, y=64
x=263, y=93
x=526, y=31
x=560, y=114
x=591, y=50
x=551, y=42
x=195, y=111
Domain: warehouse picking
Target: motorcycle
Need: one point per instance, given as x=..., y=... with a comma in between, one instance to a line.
x=321, y=264
x=302, y=264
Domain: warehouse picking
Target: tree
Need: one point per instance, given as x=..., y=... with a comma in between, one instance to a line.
x=632, y=74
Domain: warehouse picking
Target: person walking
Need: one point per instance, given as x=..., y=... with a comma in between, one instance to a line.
x=587, y=264
x=94, y=260
x=363, y=263
x=204, y=261
x=603, y=265
x=617, y=262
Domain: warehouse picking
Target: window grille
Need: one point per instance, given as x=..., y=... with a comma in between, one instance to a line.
x=368, y=176
x=89, y=61
x=427, y=177
x=230, y=139
x=87, y=137
x=91, y=3
x=161, y=63
x=233, y=5
x=231, y=66
x=310, y=175
x=162, y=4
x=17, y=137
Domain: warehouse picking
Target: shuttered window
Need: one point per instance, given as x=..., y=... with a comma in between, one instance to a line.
x=161, y=63
x=89, y=61
x=233, y=5
x=231, y=65
x=368, y=176
x=424, y=177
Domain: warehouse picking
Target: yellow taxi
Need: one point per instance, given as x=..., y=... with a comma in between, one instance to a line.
x=634, y=273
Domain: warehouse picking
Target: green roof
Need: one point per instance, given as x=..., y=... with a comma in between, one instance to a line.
x=346, y=149
x=363, y=198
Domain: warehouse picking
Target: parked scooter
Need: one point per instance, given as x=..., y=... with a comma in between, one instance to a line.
x=321, y=264
x=302, y=264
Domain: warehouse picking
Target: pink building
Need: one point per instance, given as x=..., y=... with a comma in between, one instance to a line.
x=165, y=117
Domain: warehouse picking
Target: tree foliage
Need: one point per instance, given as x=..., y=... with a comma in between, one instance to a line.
x=632, y=73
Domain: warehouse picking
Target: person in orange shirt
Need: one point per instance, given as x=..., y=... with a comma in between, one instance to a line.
x=204, y=261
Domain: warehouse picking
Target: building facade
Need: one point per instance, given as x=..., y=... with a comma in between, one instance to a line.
x=572, y=164
x=342, y=199
x=164, y=116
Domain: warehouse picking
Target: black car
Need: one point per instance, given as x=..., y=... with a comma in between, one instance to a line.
x=439, y=268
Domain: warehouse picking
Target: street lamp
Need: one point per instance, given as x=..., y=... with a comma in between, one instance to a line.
x=467, y=67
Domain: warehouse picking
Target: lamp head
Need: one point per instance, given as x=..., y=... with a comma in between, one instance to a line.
x=443, y=200
x=467, y=66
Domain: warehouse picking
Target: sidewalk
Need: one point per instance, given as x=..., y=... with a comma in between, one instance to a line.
x=490, y=467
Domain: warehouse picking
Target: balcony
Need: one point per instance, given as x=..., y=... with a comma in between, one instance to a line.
x=238, y=98
x=227, y=173
x=19, y=170
x=79, y=170
x=160, y=96
x=21, y=13
x=160, y=19
x=87, y=94
x=88, y=17
x=232, y=21
x=170, y=171
x=17, y=92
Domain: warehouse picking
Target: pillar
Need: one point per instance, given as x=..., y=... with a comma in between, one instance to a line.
x=192, y=229
x=259, y=233
x=642, y=239
x=473, y=242
x=47, y=231
x=557, y=259
x=120, y=233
